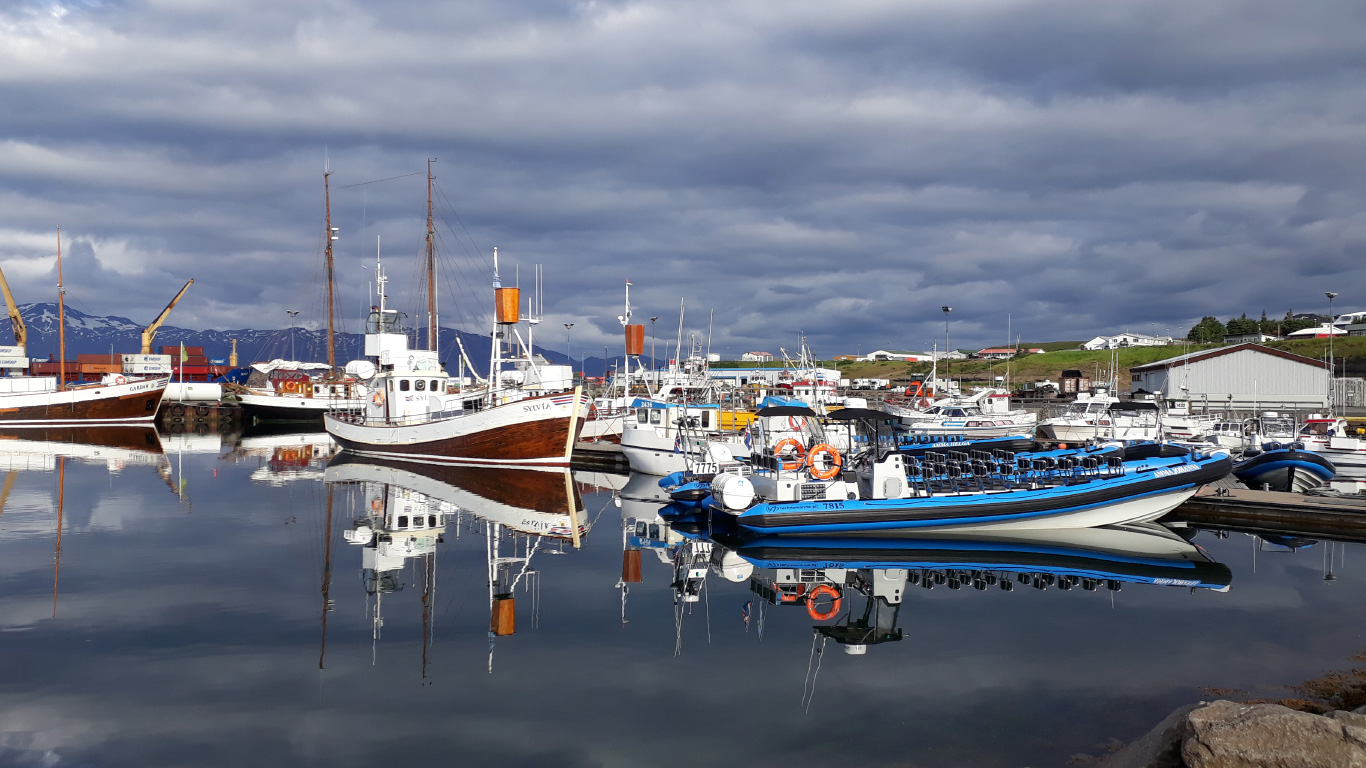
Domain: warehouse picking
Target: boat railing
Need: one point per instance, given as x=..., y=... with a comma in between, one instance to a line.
x=359, y=419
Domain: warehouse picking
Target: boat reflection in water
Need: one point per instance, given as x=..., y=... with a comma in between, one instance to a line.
x=285, y=457
x=852, y=587
x=37, y=449
x=407, y=509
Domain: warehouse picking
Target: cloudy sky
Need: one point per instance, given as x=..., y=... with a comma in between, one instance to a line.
x=1071, y=168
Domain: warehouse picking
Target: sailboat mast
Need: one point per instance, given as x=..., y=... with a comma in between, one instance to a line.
x=431, y=265
x=331, y=285
x=61, y=316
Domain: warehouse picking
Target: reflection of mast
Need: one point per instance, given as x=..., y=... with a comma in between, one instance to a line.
x=327, y=577
x=428, y=606
x=61, y=505
x=4, y=493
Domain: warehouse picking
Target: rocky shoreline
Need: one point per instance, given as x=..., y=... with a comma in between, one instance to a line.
x=1230, y=734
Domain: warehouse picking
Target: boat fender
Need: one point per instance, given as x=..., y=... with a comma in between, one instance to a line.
x=823, y=590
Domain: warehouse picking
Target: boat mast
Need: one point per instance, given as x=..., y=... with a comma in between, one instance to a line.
x=494, y=349
x=431, y=265
x=327, y=578
x=61, y=317
x=331, y=285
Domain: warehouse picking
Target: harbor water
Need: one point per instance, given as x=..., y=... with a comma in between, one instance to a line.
x=217, y=601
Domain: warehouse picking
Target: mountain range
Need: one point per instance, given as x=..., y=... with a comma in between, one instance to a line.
x=92, y=334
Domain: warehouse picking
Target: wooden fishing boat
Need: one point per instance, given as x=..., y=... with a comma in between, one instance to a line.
x=47, y=400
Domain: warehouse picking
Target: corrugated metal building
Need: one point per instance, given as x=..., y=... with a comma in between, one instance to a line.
x=1251, y=374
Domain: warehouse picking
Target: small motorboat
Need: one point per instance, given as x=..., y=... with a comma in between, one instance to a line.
x=801, y=485
x=1288, y=468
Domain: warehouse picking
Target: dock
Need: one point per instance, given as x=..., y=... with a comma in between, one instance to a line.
x=1273, y=512
x=600, y=455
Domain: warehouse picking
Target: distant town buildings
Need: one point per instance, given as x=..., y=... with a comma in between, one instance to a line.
x=756, y=357
x=1127, y=340
x=900, y=355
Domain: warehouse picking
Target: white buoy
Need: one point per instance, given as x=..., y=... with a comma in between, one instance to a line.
x=733, y=491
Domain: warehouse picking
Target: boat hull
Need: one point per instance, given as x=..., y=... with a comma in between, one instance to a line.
x=1130, y=499
x=538, y=431
x=129, y=403
x=257, y=408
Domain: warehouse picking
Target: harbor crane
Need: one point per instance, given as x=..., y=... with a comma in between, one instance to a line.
x=16, y=320
x=150, y=332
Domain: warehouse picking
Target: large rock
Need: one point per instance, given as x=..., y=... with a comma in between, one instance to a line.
x=1159, y=748
x=1226, y=734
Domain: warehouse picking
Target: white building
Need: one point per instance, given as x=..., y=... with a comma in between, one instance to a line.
x=1251, y=338
x=1242, y=376
x=1127, y=339
x=896, y=354
x=756, y=357
x=765, y=376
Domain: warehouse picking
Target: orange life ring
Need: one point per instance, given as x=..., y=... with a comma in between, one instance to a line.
x=799, y=456
x=120, y=380
x=794, y=425
x=374, y=504
x=289, y=385
x=824, y=590
x=836, y=461
x=378, y=398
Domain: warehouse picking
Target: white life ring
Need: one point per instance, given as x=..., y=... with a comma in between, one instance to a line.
x=120, y=380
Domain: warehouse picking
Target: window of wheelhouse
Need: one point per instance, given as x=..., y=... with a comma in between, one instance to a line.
x=643, y=415
x=403, y=385
x=706, y=419
x=656, y=416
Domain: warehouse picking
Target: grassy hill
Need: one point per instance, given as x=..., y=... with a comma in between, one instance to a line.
x=1050, y=365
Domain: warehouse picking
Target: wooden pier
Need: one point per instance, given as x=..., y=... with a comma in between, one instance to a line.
x=603, y=456
x=1341, y=517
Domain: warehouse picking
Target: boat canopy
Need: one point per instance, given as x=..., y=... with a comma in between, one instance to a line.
x=849, y=414
x=786, y=410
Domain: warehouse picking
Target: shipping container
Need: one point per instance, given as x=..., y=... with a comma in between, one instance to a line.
x=148, y=359
x=189, y=351
x=9, y=362
x=146, y=368
x=12, y=352
x=101, y=368
x=100, y=359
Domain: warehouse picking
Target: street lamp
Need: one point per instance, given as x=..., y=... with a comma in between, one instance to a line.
x=652, y=345
x=567, y=353
x=946, y=310
x=1332, y=331
x=293, y=313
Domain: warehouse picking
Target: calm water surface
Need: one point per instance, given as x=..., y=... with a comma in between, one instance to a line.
x=200, y=607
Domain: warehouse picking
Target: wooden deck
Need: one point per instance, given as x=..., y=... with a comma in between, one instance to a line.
x=1271, y=512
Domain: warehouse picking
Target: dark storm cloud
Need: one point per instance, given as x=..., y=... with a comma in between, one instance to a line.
x=796, y=167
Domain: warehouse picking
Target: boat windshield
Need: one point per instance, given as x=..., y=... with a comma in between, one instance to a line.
x=387, y=321
x=1320, y=428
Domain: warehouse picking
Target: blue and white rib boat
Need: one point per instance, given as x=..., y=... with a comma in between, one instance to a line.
x=799, y=485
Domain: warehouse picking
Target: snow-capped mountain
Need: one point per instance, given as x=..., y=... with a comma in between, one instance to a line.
x=92, y=334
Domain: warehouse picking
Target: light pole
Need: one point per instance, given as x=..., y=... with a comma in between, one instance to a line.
x=652, y=346
x=293, y=313
x=1332, y=331
x=604, y=363
x=947, y=310
x=567, y=353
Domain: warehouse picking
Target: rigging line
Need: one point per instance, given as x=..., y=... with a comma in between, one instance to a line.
x=376, y=181
x=466, y=230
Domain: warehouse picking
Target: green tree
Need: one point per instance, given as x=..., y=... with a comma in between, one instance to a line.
x=1208, y=330
x=1266, y=326
x=1241, y=326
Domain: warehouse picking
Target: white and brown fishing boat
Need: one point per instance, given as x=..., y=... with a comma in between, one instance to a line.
x=416, y=412
x=43, y=401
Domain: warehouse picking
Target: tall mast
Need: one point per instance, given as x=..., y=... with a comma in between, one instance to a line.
x=61, y=316
x=331, y=286
x=431, y=265
x=327, y=578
